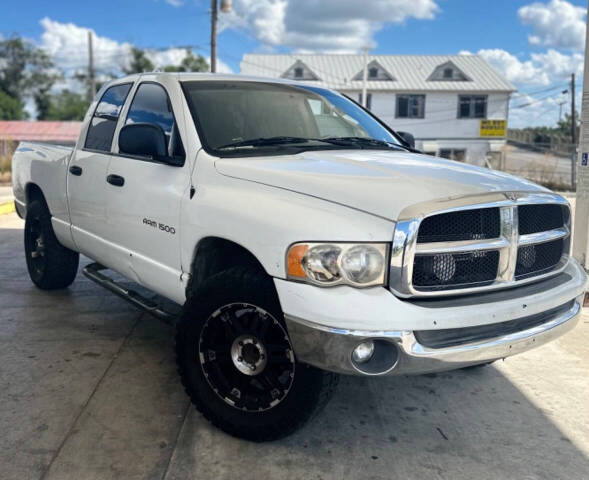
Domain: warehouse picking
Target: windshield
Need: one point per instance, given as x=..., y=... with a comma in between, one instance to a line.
x=240, y=117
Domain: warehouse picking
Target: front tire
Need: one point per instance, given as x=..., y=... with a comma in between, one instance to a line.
x=51, y=265
x=236, y=361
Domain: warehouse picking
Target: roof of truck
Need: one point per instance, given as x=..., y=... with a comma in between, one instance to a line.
x=206, y=76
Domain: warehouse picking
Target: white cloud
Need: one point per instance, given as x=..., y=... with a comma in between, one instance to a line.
x=175, y=3
x=555, y=24
x=67, y=44
x=309, y=25
x=542, y=68
x=513, y=69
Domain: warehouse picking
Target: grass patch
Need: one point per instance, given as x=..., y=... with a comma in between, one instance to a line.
x=5, y=168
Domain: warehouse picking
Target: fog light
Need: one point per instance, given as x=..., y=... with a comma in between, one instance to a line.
x=363, y=352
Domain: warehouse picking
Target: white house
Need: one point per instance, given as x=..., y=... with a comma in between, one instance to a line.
x=456, y=106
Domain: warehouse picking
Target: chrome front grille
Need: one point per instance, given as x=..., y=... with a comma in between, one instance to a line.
x=514, y=239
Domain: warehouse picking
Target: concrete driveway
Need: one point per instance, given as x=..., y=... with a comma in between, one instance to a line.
x=88, y=389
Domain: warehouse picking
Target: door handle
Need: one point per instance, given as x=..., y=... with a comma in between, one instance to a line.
x=75, y=170
x=115, y=180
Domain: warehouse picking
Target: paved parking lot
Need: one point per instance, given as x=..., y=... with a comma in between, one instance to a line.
x=88, y=389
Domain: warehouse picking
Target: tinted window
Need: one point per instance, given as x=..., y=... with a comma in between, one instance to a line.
x=103, y=123
x=235, y=111
x=152, y=105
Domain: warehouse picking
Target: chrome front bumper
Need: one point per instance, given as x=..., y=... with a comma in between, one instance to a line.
x=330, y=348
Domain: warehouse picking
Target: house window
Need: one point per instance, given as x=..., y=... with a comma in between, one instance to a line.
x=472, y=106
x=373, y=72
x=448, y=73
x=298, y=72
x=453, y=154
x=368, y=100
x=410, y=106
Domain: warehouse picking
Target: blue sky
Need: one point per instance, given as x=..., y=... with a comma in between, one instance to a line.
x=534, y=44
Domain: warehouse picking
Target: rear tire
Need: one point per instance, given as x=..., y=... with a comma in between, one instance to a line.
x=51, y=265
x=236, y=361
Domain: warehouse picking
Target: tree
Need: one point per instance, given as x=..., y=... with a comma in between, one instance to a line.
x=10, y=107
x=564, y=125
x=190, y=63
x=26, y=71
x=67, y=106
x=139, y=63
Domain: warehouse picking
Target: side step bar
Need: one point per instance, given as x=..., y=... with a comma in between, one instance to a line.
x=93, y=270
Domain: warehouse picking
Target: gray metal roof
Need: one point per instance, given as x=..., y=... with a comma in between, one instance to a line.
x=411, y=72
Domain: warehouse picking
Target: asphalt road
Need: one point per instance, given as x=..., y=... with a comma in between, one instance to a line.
x=88, y=390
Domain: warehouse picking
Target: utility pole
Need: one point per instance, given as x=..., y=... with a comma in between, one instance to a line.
x=560, y=110
x=581, y=230
x=573, y=124
x=364, y=77
x=213, y=36
x=225, y=8
x=91, y=75
x=573, y=136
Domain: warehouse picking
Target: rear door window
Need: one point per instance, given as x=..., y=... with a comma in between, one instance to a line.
x=104, y=121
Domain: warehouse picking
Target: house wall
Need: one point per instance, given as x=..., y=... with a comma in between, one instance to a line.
x=441, y=128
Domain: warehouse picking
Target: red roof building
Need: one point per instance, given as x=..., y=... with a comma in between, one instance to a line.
x=65, y=133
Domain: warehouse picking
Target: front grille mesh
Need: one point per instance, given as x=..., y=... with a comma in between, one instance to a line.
x=540, y=218
x=454, y=270
x=446, y=270
x=538, y=259
x=482, y=223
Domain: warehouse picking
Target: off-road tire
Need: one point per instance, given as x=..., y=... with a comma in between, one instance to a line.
x=53, y=266
x=310, y=388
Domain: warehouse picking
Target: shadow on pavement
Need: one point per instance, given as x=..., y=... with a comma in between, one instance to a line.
x=88, y=388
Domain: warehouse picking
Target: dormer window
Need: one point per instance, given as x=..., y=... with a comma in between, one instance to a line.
x=448, y=72
x=375, y=72
x=300, y=71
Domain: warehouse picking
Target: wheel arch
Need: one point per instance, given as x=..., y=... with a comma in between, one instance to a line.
x=33, y=192
x=214, y=254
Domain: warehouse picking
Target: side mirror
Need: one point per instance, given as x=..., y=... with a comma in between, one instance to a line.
x=408, y=138
x=145, y=140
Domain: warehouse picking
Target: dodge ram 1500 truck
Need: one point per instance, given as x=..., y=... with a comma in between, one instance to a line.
x=298, y=237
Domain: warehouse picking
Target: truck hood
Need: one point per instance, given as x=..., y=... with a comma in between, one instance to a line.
x=379, y=182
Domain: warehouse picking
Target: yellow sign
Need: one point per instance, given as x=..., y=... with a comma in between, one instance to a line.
x=493, y=128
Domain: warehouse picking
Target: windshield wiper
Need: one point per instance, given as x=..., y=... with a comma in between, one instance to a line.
x=362, y=142
x=266, y=141
x=356, y=142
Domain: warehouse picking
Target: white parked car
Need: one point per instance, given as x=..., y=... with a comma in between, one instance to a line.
x=300, y=237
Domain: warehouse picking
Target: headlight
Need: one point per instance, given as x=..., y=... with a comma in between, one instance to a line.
x=327, y=264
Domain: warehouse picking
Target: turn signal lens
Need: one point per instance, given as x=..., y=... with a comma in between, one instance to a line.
x=295, y=260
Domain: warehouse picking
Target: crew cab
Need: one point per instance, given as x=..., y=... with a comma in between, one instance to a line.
x=291, y=236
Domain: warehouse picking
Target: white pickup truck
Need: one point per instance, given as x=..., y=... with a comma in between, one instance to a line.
x=299, y=237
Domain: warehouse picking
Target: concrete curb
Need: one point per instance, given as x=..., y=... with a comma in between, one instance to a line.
x=6, y=208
